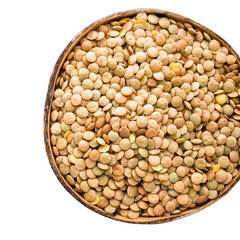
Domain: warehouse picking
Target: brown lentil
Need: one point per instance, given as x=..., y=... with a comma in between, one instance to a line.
x=144, y=120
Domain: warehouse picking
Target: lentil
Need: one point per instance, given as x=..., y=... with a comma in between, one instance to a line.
x=144, y=118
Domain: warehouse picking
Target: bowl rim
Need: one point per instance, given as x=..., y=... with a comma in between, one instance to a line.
x=49, y=98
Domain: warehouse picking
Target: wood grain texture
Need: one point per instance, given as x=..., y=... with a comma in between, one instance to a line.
x=47, y=111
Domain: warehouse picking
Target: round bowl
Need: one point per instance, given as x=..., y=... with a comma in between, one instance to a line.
x=49, y=98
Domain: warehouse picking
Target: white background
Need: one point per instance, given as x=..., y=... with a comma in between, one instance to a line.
x=33, y=204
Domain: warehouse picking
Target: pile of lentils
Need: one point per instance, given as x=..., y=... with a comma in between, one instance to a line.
x=144, y=119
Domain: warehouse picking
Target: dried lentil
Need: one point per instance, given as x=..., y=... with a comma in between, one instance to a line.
x=144, y=118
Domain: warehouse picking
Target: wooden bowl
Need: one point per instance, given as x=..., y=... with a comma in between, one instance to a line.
x=49, y=98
